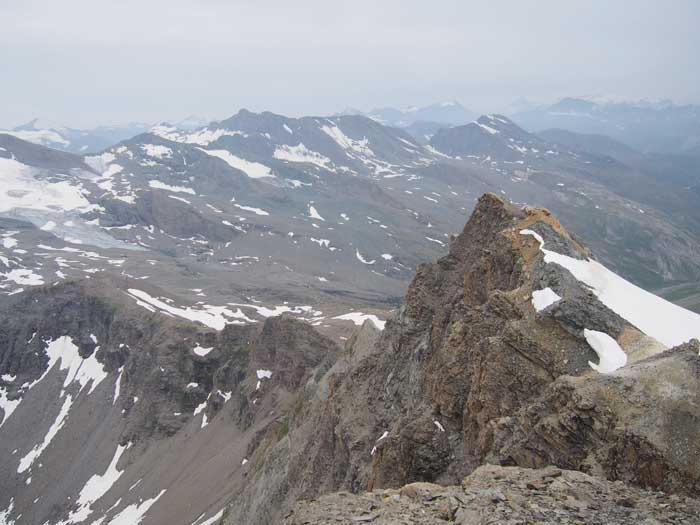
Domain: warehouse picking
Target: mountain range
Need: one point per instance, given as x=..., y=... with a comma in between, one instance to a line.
x=515, y=349
x=73, y=140
x=370, y=199
x=420, y=121
x=89, y=140
x=648, y=126
x=232, y=322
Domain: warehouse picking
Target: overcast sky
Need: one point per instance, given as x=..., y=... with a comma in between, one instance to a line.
x=85, y=62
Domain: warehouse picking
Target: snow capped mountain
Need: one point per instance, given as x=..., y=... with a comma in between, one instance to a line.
x=192, y=122
x=648, y=125
x=490, y=135
x=445, y=113
x=34, y=132
x=52, y=135
x=337, y=144
x=248, y=191
x=649, y=103
x=284, y=204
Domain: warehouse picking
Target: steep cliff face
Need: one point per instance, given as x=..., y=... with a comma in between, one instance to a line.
x=108, y=408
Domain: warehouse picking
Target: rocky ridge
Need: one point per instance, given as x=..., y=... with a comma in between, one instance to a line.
x=506, y=495
x=470, y=372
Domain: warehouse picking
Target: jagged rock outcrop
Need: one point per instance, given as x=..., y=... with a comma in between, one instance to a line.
x=639, y=425
x=469, y=371
x=508, y=495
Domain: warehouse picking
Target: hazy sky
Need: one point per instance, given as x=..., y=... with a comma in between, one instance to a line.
x=82, y=62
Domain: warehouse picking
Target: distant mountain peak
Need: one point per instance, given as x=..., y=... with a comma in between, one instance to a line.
x=192, y=122
x=447, y=113
x=37, y=124
x=647, y=102
x=647, y=124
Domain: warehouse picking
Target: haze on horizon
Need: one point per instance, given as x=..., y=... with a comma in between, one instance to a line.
x=90, y=62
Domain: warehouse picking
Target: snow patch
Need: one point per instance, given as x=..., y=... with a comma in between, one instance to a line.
x=57, y=425
x=314, y=214
x=8, y=406
x=362, y=259
x=202, y=137
x=215, y=518
x=117, y=385
x=43, y=137
x=610, y=355
x=5, y=514
x=20, y=189
x=262, y=374
x=23, y=276
x=157, y=151
x=256, y=211
x=664, y=321
x=96, y=487
x=254, y=170
x=347, y=143
x=202, y=351
x=175, y=189
x=301, y=154
x=216, y=317
x=541, y=299
x=489, y=129
x=134, y=513
x=179, y=199
x=359, y=318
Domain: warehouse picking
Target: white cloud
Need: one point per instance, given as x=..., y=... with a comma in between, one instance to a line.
x=362, y=53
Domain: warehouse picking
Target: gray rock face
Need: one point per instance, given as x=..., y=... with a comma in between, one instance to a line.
x=638, y=426
x=493, y=494
x=160, y=385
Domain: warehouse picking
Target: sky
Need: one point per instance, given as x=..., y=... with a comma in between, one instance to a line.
x=88, y=62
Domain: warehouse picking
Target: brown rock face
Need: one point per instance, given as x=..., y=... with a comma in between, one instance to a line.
x=468, y=348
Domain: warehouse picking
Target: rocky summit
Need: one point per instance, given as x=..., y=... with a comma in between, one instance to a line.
x=520, y=381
